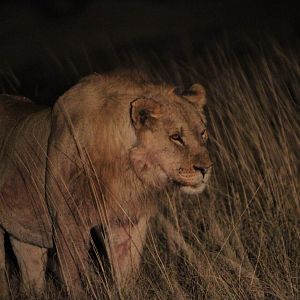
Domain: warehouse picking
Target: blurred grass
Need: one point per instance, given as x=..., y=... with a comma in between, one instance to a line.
x=240, y=239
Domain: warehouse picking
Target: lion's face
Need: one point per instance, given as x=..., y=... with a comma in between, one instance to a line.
x=171, y=141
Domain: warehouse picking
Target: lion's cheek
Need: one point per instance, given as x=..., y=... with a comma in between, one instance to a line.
x=147, y=167
x=139, y=160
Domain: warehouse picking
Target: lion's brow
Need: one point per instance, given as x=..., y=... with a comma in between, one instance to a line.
x=191, y=132
x=187, y=131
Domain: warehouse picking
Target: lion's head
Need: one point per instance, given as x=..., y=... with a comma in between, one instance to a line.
x=171, y=139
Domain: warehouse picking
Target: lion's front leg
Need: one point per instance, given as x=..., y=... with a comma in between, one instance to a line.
x=126, y=240
x=72, y=246
x=32, y=262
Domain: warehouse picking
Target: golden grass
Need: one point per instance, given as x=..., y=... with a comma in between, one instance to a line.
x=240, y=239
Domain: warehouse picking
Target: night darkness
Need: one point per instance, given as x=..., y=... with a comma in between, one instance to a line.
x=47, y=45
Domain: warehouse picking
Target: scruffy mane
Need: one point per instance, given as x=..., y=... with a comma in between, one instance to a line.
x=106, y=98
x=114, y=92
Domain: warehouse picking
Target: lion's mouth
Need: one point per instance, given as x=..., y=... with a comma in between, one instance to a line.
x=180, y=181
x=180, y=184
x=190, y=184
x=189, y=188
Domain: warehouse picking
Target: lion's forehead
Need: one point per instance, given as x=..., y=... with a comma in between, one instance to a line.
x=187, y=120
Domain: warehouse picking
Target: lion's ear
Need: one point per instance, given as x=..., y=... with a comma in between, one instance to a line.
x=195, y=94
x=143, y=111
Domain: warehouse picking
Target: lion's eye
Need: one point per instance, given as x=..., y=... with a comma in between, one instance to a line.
x=177, y=138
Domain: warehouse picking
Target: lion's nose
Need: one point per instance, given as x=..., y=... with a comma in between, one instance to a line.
x=203, y=170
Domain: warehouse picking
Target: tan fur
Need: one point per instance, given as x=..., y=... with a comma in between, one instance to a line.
x=98, y=156
x=32, y=264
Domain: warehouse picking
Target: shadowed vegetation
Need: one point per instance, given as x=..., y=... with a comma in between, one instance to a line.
x=240, y=239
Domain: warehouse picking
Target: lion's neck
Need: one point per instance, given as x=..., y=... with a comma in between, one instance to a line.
x=124, y=191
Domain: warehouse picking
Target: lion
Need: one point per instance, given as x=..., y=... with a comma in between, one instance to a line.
x=96, y=158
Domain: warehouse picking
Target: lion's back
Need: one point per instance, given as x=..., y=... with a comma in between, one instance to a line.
x=13, y=110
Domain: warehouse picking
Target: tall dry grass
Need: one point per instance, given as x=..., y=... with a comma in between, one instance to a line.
x=240, y=239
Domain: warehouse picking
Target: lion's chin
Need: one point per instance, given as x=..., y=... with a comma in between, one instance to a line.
x=193, y=189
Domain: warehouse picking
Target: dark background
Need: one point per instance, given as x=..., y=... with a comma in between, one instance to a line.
x=47, y=45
